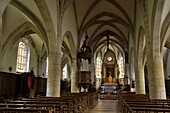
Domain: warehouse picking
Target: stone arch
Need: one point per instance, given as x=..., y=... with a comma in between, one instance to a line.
x=139, y=67
x=121, y=37
x=18, y=32
x=32, y=17
x=93, y=42
x=132, y=66
x=71, y=43
x=95, y=20
x=141, y=46
x=110, y=1
x=155, y=27
x=3, y=5
x=165, y=32
x=68, y=48
x=66, y=57
x=49, y=26
x=69, y=56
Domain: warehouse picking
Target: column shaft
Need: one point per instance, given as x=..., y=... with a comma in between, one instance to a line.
x=1, y=58
x=127, y=72
x=54, y=74
x=140, y=81
x=74, y=76
x=156, y=80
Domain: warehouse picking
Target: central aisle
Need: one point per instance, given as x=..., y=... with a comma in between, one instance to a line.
x=105, y=106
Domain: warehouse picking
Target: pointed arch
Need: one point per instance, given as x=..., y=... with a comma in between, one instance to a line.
x=165, y=32
x=71, y=45
x=155, y=26
x=141, y=46
x=17, y=34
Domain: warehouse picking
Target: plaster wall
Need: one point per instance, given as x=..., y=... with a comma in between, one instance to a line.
x=166, y=10
x=3, y=5
x=11, y=22
x=11, y=59
x=33, y=61
x=52, y=7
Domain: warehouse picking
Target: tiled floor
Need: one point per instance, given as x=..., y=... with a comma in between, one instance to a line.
x=105, y=106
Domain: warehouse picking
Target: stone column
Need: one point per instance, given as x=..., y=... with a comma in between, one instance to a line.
x=74, y=76
x=93, y=72
x=156, y=79
x=1, y=58
x=54, y=73
x=140, y=81
x=127, y=72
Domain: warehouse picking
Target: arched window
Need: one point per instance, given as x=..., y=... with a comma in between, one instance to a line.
x=22, y=57
x=121, y=68
x=65, y=75
x=47, y=66
x=98, y=67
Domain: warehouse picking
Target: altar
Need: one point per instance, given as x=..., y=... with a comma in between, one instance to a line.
x=109, y=87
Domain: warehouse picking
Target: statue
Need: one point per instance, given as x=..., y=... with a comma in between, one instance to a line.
x=84, y=46
x=110, y=79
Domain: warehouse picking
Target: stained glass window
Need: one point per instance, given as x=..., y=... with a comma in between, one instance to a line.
x=98, y=67
x=121, y=67
x=22, y=58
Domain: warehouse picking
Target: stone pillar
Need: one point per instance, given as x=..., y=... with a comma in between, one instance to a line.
x=127, y=72
x=156, y=79
x=92, y=69
x=54, y=73
x=140, y=81
x=1, y=58
x=74, y=76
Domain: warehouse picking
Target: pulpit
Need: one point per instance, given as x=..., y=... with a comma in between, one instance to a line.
x=85, y=79
x=84, y=54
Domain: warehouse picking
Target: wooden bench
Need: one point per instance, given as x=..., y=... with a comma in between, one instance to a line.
x=135, y=103
x=68, y=103
x=25, y=110
x=60, y=106
x=146, y=110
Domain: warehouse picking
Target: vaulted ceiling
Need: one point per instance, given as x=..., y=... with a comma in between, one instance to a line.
x=96, y=18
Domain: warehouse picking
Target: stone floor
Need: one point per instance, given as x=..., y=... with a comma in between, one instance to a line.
x=105, y=106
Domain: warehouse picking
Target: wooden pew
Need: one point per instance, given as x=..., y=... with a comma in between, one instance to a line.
x=59, y=106
x=153, y=110
x=24, y=110
x=134, y=103
x=68, y=103
x=86, y=100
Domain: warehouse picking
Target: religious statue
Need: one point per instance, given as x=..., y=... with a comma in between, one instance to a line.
x=110, y=79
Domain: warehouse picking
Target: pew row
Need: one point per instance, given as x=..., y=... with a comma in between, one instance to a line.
x=67, y=103
x=140, y=103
